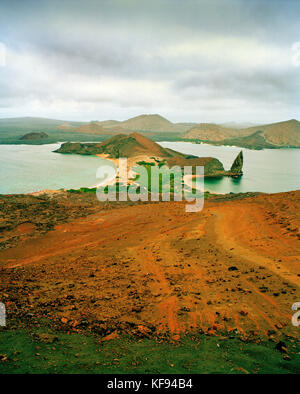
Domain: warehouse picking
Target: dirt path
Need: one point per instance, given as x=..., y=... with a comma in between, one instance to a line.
x=233, y=266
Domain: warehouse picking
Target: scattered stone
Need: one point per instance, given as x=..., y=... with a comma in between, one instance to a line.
x=243, y=313
x=3, y=357
x=278, y=326
x=47, y=338
x=137, y=309
x=281, y=347
x=185, y=309
x=111, y=336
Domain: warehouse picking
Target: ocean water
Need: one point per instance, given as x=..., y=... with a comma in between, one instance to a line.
x=29, y=168
x=268, y=170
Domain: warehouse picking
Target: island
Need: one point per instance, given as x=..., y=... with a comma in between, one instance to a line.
x=140, y=149
x=34, y=136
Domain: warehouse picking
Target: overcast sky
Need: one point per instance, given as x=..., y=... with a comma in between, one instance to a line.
x=188, y=60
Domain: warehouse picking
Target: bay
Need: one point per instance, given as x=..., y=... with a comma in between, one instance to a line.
x=30, y=168
x=268, y=170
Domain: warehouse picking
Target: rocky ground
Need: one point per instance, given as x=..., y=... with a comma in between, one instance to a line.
x=152, y=269
x=28, y=216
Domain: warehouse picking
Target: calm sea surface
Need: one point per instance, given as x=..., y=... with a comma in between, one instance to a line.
x=28, y=168
x=269, y=170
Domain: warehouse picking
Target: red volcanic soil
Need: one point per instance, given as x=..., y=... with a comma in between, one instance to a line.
x=233, y=266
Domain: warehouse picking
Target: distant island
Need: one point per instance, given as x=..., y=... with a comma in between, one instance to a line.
x=284, y=134
x=140, y=149
x=34, y=136
x=269, y=136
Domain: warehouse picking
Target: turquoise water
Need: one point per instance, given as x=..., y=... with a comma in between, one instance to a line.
x=29, y=168
x=269, y=170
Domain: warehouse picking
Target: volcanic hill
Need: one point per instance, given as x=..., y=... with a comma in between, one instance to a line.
x=210, y=132
x=154, y=123
x=136, y=146
x=93, y=128
x=283, y=134
x=275, y=135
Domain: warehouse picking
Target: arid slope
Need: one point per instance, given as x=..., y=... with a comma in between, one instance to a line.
x=153, y=267
x=274, y=135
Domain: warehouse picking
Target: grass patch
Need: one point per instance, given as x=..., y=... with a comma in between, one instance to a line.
x=49, y=352
x=83, y=190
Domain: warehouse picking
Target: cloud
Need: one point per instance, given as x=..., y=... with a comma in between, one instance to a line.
x=192, y=60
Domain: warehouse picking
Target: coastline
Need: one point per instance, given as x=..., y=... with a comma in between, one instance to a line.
x=256, y=178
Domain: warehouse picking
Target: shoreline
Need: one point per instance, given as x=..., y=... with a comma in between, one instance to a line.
x=213, y=143
x=280, y=184
x=61, y=191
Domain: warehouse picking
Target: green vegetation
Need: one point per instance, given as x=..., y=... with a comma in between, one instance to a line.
x=144, y=163
x=166, y=136
x=254, y=141
x=55, y=137
x=145, y=184
x=11, y=130
x=83, y=190
x=160, y=163
x=56, y=352
x=277, y=135
x=268, y=136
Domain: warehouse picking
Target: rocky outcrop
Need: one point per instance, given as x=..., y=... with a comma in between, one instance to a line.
x=237, y=165
x=120, y=145
x=269, y=136
x=34, y=136
x=136, y=145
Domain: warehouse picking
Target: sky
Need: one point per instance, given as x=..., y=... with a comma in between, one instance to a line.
x=188, y=60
